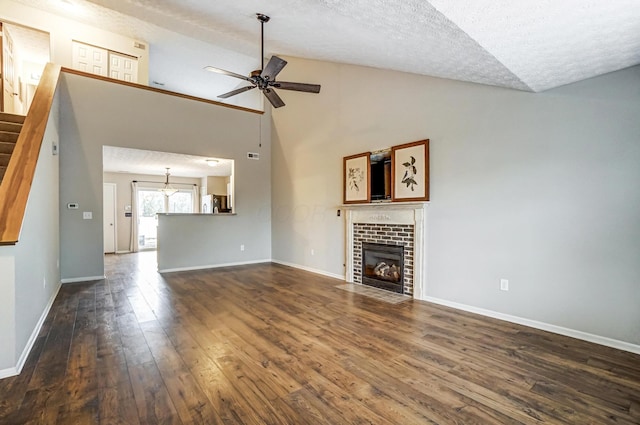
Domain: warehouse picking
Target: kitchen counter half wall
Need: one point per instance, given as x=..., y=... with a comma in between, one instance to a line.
x=196, y=241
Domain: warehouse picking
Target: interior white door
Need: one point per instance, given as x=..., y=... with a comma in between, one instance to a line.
x=10, y=93
x=109, y=217
x=91, y=59
x=123, y=67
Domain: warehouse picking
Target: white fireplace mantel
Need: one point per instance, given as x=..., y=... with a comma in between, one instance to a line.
x=414, y=213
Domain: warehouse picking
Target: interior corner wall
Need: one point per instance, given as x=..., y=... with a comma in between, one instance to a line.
x=96, y=113
x=537, y=188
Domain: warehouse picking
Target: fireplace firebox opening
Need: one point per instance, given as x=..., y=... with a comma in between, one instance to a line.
x=382, y=266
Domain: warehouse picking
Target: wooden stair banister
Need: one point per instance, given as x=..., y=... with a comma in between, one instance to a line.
x=18, y=178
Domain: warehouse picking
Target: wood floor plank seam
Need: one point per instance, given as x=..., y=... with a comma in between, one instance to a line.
x=269, y=344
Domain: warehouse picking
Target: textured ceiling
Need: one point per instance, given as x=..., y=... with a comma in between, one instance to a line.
x=33, y=45
x=520, y=44
x=137, y=161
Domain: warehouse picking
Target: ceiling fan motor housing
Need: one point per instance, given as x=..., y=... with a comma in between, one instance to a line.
x=265, y=79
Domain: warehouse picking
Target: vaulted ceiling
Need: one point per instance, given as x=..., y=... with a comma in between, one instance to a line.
x=531, y=45
x=520, y=44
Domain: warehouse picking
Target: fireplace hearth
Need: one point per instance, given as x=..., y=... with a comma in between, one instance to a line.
x=383, y=266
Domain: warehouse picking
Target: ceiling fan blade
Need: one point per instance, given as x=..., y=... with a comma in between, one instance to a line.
x=273, y=97
x=273, y=68
x=228, y=73
x=309, y=88
x=236, y=91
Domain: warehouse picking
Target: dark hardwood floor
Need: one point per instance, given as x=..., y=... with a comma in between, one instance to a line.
x=267, y=344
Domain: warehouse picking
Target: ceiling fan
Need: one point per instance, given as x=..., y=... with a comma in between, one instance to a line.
x=265, y=79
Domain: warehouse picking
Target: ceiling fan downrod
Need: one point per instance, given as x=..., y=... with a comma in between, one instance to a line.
x=263, y=19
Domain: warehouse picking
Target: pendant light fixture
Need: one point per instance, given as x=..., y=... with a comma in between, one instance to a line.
x=168, y=190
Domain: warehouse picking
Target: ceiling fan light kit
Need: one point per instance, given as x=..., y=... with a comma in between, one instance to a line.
x=265, y=79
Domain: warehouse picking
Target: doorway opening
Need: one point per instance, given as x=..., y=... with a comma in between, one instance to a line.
x=203, y=185
x=24, y=52
x=151, y=202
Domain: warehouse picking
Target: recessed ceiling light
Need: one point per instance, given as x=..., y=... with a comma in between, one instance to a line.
x=212, y=162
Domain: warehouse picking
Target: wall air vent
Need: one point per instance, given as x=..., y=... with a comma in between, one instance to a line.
x=253, y=155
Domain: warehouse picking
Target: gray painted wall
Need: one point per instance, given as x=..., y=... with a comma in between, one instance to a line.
x=198, y=241
x=96, y=113
x=38, y=250
x=7, y=309
x=537, y=188
x=33, y=261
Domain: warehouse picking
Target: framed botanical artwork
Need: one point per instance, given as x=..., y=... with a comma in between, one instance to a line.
x=357, y=182
x=410, y=171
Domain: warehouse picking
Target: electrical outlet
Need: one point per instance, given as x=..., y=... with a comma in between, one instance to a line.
x=504, y=285
x=87, y=215
x=241, y=247
x=313, y=252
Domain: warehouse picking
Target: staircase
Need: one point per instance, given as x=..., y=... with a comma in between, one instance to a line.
x=10, y=126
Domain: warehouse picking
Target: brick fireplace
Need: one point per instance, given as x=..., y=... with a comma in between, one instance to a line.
x=400, y=225
x=384, y=235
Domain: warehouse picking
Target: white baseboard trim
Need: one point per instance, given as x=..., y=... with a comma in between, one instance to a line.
x=309, y=269
x=123, y=252
x=609, y=342
x=212, y=266
x=13, y=371
x=83, y=279
x=8, y=372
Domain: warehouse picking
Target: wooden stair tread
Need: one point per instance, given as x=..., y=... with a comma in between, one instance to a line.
x=5, y=117
x=6, y=136
x=7, y=147
x=4, y=159
x=11, y=127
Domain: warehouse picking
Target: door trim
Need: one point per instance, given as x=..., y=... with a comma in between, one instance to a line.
x=1, y=69
x=115, y=217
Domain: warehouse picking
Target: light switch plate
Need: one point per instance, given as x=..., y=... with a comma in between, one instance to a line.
x=87, y=215
x=504, y=285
